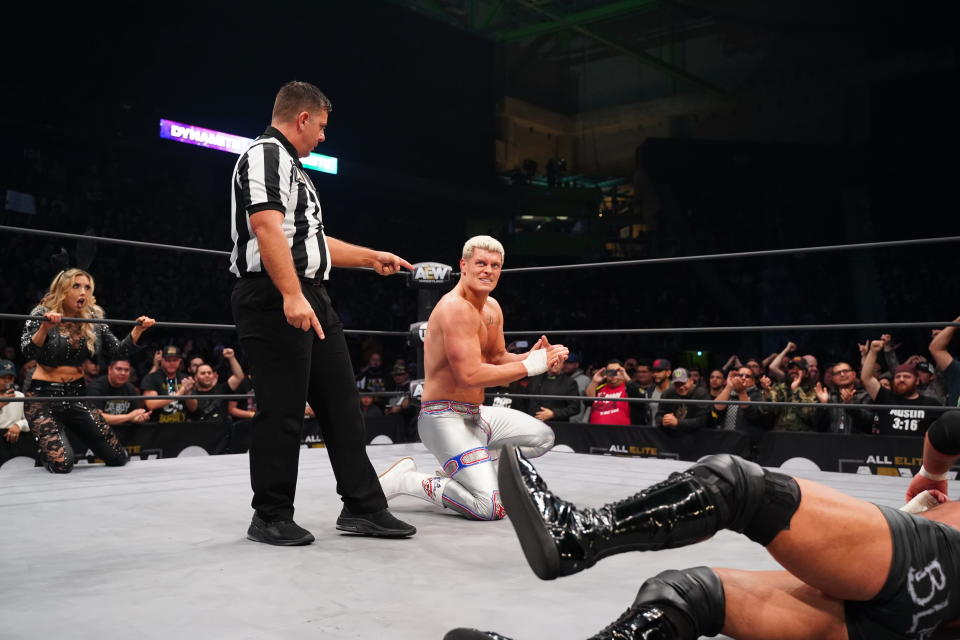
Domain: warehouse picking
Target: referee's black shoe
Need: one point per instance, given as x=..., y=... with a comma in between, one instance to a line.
x=284, y=533
x=473, y=634
x=379, y=523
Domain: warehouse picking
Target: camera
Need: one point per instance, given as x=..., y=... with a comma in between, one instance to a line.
x=521, y=344
x=7, y=387
x=611, y=372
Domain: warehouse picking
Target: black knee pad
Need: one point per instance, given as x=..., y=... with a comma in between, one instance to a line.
x=691, y=599
x=749, y=499
x=944, y=433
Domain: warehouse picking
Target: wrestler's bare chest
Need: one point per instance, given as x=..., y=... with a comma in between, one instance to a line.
x=488, y=332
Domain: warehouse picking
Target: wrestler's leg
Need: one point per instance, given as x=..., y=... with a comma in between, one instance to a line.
x=56, y=454
x=509, y=426
x=469, y=486
x=747, y=605
x=775, y=604
x=94, y=431
x=838, y=544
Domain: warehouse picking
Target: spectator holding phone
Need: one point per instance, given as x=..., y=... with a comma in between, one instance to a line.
x=15, y=437
x=612, y=382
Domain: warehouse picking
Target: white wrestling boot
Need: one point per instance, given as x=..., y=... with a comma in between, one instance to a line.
x=402, y=478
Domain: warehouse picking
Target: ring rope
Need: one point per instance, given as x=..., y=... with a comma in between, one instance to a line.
x=566, y=332
x=135, y=243
x=586, y=265
x=187, y=325
x=772, y=327
x=739, y=254
x=205, y=396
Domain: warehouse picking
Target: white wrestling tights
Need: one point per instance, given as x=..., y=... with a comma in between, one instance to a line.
x=466, y=439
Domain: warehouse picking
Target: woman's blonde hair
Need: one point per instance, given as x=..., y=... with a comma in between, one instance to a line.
x=482, y=242
x=57, y=293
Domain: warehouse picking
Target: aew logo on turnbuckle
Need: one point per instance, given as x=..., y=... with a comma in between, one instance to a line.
x=416, y=389
x=429, y=274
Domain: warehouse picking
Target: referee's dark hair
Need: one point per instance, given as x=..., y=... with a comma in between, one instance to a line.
x=296, y=97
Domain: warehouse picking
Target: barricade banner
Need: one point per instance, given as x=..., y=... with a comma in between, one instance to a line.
x=648, y=442
x=867, y=454
x=391, y=426
x=151, y=440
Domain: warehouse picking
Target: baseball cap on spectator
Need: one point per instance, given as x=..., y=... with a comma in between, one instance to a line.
x=925, y=367
x=679, y=376
x=573, y=357
x=172, y=351
x=798, y=362
x=662, y=365
x=907, y=368
x=7, y=368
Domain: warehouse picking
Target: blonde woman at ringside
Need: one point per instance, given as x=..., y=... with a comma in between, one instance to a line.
x=60, y=348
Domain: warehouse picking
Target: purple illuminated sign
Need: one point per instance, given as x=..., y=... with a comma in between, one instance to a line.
x=192, y=134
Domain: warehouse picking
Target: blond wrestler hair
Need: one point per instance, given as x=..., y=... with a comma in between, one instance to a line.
x=482, y=242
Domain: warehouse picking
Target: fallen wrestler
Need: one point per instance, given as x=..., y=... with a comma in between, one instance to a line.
x=465, y=352
x=853, y=569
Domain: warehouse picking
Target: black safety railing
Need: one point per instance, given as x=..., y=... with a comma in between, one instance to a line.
x=493, y=394
x=762, y=403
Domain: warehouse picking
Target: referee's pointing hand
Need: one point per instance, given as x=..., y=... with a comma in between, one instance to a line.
x=301, y=315
x=387, y=264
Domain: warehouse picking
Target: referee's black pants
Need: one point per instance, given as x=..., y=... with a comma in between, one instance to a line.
x=291, y=367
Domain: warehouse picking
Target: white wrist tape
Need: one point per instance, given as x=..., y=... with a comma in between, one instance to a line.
x=535, y=362
x=936, y=477
x=920, y=503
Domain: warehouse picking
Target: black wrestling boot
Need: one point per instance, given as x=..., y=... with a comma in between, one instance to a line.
x=639, y=622
x=559, y=539
x=380, y=524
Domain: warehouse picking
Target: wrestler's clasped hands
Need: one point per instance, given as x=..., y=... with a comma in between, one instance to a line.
x=555, y=352
x=919, y=484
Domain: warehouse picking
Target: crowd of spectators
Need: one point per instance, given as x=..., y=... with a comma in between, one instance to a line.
x=806, y=395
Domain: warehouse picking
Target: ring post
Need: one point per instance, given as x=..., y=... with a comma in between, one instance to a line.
x=430, y=279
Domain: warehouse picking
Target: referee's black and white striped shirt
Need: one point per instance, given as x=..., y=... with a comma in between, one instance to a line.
x=269, y=175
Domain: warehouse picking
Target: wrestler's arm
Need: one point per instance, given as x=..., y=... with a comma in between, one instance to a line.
x=941, y=449
x=344, y=254
x=493, y=317
x=459, y=326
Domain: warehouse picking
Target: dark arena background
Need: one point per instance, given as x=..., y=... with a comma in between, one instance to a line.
x=575, y=132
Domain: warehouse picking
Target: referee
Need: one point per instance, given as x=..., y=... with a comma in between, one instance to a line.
x=288, y=328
